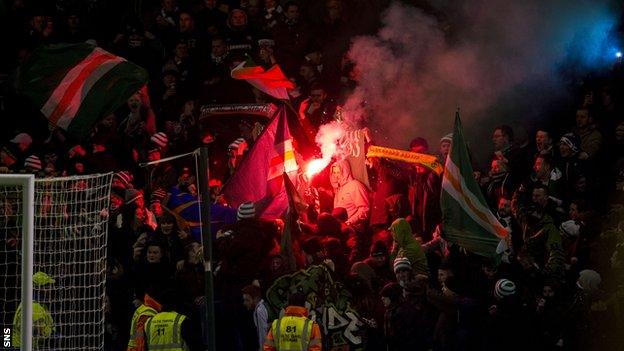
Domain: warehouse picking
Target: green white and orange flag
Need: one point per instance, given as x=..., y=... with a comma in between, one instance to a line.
x=467, y=219
x=76, y=84
x=272, y=81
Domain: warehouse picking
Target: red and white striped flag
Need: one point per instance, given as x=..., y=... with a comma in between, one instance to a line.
x=76, y=84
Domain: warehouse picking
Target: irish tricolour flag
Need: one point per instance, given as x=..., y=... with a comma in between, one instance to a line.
x=467, y=219
x=75, y=84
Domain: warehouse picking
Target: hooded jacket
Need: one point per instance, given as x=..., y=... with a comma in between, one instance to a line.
x=407, y=246
x=350, y=194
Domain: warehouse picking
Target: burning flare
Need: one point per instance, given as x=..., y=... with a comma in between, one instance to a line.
x=327, y=138
x=315, y=166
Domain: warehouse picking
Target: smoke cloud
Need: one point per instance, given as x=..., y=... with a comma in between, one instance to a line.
x=499, y=61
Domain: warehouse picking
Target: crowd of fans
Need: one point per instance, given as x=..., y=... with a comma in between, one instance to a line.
x=559, y=280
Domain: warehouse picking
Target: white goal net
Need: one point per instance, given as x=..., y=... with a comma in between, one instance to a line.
x=68, y=260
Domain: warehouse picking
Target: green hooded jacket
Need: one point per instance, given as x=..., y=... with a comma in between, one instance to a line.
x=406, y=246
x=43, y=325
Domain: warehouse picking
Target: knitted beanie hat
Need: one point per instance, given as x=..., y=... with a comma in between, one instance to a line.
x=504, y=287
x=589, y=280
x=132, y=195
x=236, y=143
x=158, y=196
x=266, y=42
x=33, y=162
x=160, y=139
x=402, y=263
x=246, y=210
x=572, y=141
x=448, y=137
x=570, y=228
x=124, y=178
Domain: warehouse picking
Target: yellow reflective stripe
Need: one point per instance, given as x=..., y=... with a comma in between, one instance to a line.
x=304, y=335
x=168, y=335
x=296, y=329
x=147, y=327
x=276, y=331
x=166, y=346
x=176, y=329
x=140, y=311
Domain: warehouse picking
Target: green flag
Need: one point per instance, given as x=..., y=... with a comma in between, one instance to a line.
x=73, y=85
x=467, y=219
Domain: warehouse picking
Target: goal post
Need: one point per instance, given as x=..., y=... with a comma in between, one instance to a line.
x=53, y=260
x=23, y=184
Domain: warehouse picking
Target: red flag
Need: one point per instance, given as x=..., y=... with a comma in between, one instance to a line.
x=259, y=178
x=272, y=81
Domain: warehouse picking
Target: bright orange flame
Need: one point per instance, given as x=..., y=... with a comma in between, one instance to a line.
x=316, y=166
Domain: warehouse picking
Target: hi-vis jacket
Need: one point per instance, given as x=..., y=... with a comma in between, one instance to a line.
x=293, y=332
x=148, y=309
x=43, y=325
x=164, y=332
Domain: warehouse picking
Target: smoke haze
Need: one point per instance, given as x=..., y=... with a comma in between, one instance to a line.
x=500, y=62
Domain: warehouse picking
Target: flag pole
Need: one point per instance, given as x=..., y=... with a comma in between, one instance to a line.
x=145, y=164
x=286, y=248
x=205, y=202
x=289, y=104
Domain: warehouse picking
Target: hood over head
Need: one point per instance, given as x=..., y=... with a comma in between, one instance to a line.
x=401, y=231
x=345, y=176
